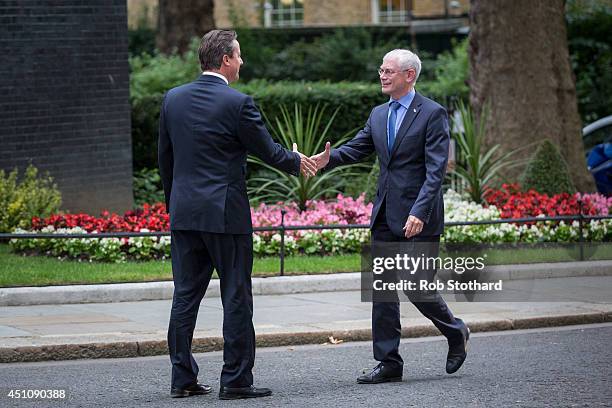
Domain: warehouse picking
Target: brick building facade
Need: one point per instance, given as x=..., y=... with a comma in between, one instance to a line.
x=315, y=13
x=65, y=80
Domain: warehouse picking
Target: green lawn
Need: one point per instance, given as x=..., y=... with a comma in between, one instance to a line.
x=505, y=254
x=17, y=270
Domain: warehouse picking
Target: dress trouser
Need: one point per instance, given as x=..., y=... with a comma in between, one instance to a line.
x=194, y=255
x=386, y=325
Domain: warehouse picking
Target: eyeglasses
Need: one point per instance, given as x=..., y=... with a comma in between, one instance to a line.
x=390, y=72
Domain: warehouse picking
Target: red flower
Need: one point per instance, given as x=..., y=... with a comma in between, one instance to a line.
x=514, y=203
x=151, y=217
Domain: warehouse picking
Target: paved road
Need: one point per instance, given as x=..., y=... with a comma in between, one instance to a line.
x=559, y=367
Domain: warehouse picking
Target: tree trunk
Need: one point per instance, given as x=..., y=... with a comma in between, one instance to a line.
x=180, y=21
x=520, y=66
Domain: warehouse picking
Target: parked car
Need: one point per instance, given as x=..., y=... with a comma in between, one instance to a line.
x=597, y=139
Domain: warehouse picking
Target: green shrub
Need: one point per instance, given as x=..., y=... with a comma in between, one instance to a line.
x=308, y=129
x=148, y=187
x=152, y=76
x=141, y=40
x=451, y=71
x=344, y=55
x=547, y=171
x=479, y=167
x=33, y=196
x=589, y=24
x=354, y=53
x=355, y=101
x=303, y=61
x=341, y=54
x=155, y=74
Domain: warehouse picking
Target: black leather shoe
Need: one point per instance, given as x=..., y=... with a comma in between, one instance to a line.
x=196, y=389
x=381, y=374
x=457, y=354
x=232, y=393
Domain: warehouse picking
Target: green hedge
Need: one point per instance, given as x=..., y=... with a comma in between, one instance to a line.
x=153, y=75
x=314, y=54
x=356, y=100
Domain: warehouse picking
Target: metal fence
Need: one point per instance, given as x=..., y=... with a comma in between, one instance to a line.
x=282, y=228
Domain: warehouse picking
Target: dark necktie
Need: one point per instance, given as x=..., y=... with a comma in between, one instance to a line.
x=394, y=106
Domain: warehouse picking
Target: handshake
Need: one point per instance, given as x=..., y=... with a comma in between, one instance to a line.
x=309, y=166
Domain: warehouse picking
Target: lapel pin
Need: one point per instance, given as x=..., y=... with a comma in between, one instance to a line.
x=414, y=109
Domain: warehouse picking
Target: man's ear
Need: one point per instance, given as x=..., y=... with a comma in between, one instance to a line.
x=226, y=59
x=411, y=75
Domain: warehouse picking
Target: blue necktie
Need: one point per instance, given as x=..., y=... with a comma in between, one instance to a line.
x=394, y=106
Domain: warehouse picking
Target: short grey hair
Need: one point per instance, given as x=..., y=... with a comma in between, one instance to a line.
x=406, y=59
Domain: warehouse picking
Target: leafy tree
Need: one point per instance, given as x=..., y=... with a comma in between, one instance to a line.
x=180, y=21
x=520, y=67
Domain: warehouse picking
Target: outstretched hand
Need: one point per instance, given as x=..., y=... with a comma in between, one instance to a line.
x=322, y=159
x=308, y=167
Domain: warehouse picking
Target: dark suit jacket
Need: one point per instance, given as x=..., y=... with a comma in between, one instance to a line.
x=411, y=177
x=206, y=129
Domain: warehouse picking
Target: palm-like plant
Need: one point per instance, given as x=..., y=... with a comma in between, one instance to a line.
x=478, y=167
x=309, y=131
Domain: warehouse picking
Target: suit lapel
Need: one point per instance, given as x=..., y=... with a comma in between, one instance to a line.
x=381, y=123
x=411, y=114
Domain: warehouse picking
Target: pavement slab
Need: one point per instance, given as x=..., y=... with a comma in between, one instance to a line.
x=297, y=318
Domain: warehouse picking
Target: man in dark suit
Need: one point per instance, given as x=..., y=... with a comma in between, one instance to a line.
x=206, y=130
x=410, y=135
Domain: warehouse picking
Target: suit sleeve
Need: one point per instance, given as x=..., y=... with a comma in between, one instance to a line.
x=355, y=150
x=257, y=140
x=165, y=155
x=437, y=140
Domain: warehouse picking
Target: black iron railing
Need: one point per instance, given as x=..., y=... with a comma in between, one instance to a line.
x=282, y=229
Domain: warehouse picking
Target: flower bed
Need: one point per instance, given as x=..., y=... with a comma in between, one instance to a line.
x=343, y=210
x=514, y=204
x=505, y=203
x=149, y=217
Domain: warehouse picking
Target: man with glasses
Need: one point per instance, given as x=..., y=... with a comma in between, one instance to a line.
x=410, y=135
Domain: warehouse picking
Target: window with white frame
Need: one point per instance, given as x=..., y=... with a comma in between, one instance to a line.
x=391, y=11
x=283, y=13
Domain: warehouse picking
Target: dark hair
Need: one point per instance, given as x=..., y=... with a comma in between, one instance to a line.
x=214, y=45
